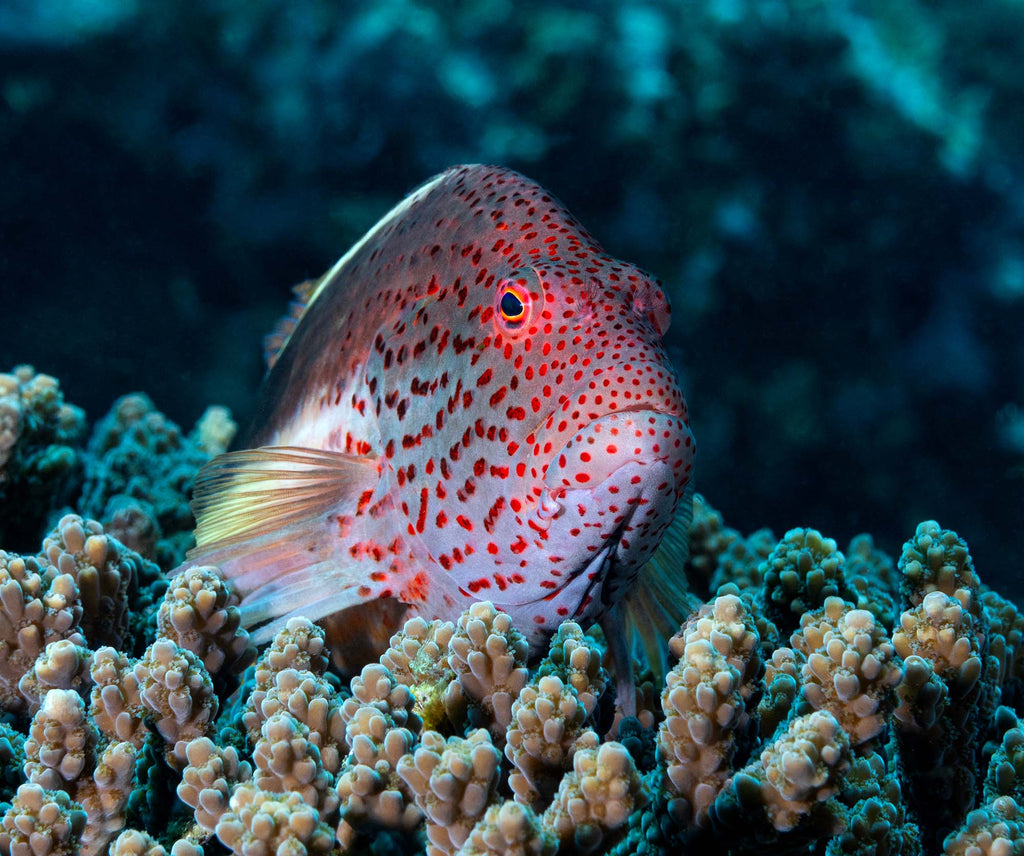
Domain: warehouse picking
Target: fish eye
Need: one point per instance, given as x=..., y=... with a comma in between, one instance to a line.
x=511, y=306
x=515, y=301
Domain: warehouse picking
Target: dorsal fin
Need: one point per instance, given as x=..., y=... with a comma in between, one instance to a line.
x=274, y=342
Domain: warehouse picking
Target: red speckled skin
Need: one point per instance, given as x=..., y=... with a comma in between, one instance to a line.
x=534, y=464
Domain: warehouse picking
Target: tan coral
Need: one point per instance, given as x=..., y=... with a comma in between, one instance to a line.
x=207, y=777
x=215, y=430
x=200, y=613
x=368, y=785
x=782, y=677
x=739, y=564
x=135, y=842
x=376, y=687
x=369, y=788
x=287, y=759
x=576, y=658
x=546, y=729
x=311, y=700
x=453, y=782
x=996, y=829
x=802, y=570
x=922, y=697
x=38, y=605
x=104, y=570
x=802, y=768
x=63, y=665
x=940, y=630
x=703, y=705
x=42, y=823
x=260, y=823
x=488, y=656
x=63, y=752
x=726, y=623
x=176, y=689
x=417, y=656
x=596, y=797
x=115, y=705
x=1006, y=635
x=509, y=829
x=298, y=645
x=937, y=560
x=31, y=402
x=850, y=669
x=708, y=538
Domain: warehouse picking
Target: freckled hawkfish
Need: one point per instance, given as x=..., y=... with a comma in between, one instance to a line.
x=473, y=403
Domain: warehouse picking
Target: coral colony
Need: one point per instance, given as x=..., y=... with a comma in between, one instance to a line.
x=819, y=701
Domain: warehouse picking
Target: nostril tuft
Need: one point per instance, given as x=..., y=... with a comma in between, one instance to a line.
x=650, y=302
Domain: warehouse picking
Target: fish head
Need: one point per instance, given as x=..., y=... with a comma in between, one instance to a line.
x=534, y=432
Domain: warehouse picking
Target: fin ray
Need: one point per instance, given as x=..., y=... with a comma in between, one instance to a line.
x=241, y=495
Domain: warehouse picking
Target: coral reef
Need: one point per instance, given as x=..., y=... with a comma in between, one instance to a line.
x=842, y=705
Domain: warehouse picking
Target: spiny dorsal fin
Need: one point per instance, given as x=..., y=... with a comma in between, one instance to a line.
x=243, y=495
x=274, y=342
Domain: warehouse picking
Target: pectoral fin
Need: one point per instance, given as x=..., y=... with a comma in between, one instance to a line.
x=246, y=494
x=661, y=602
x=270, y=519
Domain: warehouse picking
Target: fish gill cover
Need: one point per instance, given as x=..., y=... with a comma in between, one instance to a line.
x=830, y=197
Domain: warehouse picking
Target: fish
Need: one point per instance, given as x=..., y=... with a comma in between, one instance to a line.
x=473, y=403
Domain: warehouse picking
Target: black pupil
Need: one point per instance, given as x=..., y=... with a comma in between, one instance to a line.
x=511, y=306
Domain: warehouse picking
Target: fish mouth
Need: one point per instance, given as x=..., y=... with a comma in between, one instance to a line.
x=598, y=450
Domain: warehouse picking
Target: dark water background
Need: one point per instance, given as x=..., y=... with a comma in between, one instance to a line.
x=832, y=194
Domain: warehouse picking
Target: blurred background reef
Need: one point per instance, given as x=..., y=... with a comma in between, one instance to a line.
x=832, y=194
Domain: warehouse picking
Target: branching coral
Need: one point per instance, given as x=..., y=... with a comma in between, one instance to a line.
x=64, y=752
x=309, y=699
x=418, y=657
x=509, y=829
x=138, y=458
x=263, y=822
x=369, y=787
x=760, y=747
x=285, y=759
x=200, y=613
x=547, y=728
x=105, y=572
x=207, y=778
x=703, y=706
x=177, y=691
x=937, y=560
x=782, y=676
x=42, y=823
x=802, y=570
x=793, y=776
x=453, y=781
x=996, y=829
x=38, y=605
x=62, y=665
x=850, y=669
x=596, y=798
x=940, y=705
x=488, y=656
x=577, y=659
x=40, y=460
